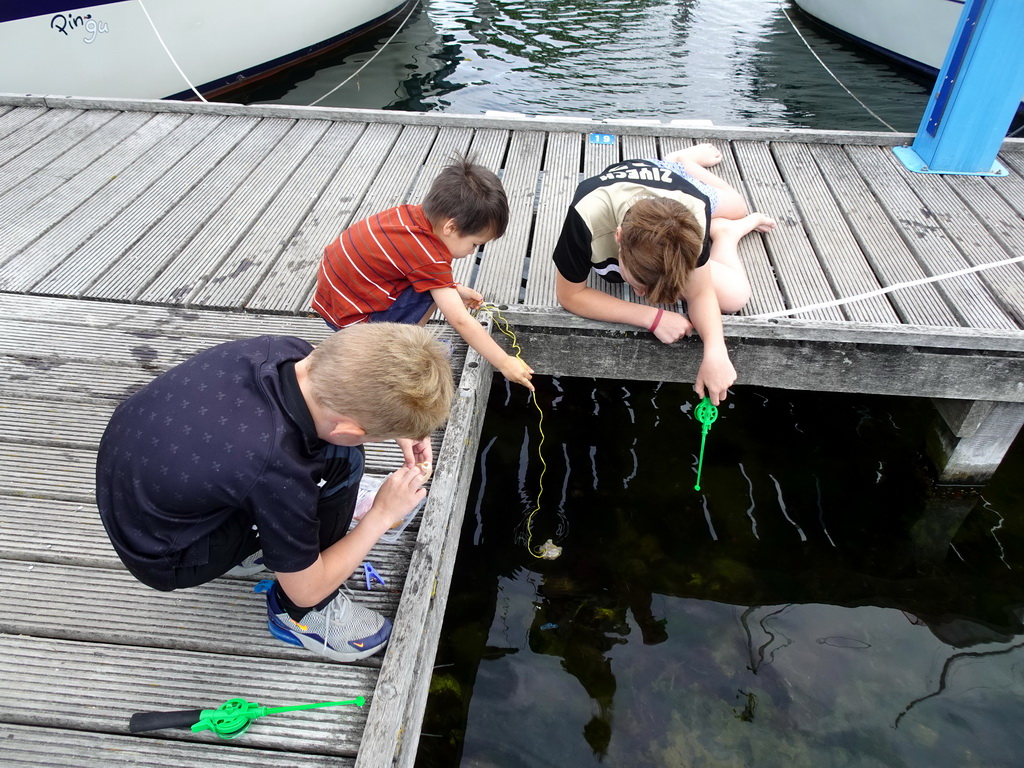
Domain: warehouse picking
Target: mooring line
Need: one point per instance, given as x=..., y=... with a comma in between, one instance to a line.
x=833, y=74
x=412, y=7
x=168, y=51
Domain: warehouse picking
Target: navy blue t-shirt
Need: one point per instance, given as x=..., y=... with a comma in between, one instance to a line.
x=224, y=433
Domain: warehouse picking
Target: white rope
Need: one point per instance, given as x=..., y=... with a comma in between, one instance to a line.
x=870, y=111
x=881, y=291
x=412, y=7
x=168, y=51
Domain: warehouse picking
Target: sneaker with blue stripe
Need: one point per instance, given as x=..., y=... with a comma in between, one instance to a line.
x=341, y=631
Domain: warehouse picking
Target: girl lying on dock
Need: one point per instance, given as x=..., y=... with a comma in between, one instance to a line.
x=671, y=229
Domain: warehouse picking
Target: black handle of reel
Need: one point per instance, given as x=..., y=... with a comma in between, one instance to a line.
x=154, y=721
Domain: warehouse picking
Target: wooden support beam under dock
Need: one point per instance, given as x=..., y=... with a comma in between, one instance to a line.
x=136, y=233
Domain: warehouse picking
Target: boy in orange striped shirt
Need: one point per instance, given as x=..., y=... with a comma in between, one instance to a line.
x=396, y=266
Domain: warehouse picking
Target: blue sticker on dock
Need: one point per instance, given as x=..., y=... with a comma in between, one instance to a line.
x=602, y=138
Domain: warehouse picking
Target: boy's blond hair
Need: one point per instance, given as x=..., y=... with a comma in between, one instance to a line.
x=660, y=243
x=392, y=379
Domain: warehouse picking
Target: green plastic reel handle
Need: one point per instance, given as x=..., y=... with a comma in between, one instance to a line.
x=706, y=414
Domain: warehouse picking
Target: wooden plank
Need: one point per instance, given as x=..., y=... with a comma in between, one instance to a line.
x=53, y=246
x=257, y=229
x=34, y=746
x=559, y=179
x=290, y=283
x=88, y=262
x=33, y=132
x=31, y=187
x=503, y=261
x=386, y=175
x=994, y=223
x=639, y=147
x=792, y=256
x=223, y=616
x=245, y=179
x=393, y=725
x=97, y=687
x=597, y=157
x=971, y=235
x=880, y=241
x=75, y=137
x=488, y=149
x=13, y=119
x=44, y=530
x=30, y=221
x=967, y=296
x=826, y=366
x=846, y=268
x=766, y=296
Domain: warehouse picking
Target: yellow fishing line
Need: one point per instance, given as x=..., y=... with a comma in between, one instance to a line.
x=549, y=549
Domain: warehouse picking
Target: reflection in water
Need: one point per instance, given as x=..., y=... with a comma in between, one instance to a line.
x=735, y=62
x=790, y=614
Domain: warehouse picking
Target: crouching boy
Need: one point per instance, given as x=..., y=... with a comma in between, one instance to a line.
x=250, y=454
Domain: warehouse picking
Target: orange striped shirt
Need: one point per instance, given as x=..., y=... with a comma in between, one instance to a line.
x=375, y=260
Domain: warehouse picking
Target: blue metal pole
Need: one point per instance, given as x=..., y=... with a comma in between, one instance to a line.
x=976, y=95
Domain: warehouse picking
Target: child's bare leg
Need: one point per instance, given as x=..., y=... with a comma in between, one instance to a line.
x=696, y=160
x=727, y=272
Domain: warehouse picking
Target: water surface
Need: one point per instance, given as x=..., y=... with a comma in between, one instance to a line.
x=817, y=603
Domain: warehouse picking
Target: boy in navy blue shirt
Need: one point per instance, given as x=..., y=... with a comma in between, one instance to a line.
x=252, y=451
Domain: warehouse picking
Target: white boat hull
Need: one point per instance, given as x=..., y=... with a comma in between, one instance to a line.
x=915, y=32
x=111, y=49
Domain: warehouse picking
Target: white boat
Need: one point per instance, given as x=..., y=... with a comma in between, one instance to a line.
x=915, y=33
x=154, y=49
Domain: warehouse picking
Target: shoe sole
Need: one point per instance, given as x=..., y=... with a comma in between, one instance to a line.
x=317, y=647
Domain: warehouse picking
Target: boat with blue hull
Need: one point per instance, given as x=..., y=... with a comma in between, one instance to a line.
x=155, y=49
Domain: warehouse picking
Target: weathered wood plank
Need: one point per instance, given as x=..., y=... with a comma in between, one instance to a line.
x=74, y=276
x=393, y=725
x=246, y=178
x=34, y=132
x=97, y=687
x=891, y=260
x=488, y=149
x=290, y=284
x=223, y=616
x=503, y=264
x=559, y=178
x=76, y=137
x=30, y=222
x=30, y=187
x=847, y=270
x=107, y=203
x=35, y=746
x=799, y=274
x=967, y=296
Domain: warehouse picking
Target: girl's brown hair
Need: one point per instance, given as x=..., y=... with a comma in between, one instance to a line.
x=660, y=243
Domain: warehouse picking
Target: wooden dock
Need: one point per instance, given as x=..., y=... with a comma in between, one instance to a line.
x=136, y=233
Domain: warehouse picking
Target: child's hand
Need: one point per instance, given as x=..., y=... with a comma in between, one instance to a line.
x=517, y=371
x=673, y=327
x=470, y=298
x=398, y=495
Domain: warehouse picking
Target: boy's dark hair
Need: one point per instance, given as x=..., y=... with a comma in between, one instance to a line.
x=471, y=195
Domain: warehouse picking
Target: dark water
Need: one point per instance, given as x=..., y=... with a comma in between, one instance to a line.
x=817, y=603
x=736, y=62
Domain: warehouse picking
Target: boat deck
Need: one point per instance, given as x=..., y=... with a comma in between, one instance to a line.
x=136, y=233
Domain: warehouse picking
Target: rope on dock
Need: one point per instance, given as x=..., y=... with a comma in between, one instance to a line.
x=881, y=291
